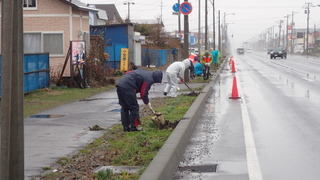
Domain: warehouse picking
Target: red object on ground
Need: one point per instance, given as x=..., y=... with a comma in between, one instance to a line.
x=234, y=93
x=233, y=68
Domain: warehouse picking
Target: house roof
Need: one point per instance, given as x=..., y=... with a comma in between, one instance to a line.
x=79, y=5
x=111, y=10
x=102, y=14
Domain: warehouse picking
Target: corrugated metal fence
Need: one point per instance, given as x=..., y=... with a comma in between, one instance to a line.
x=153, y=57
x=159, y=57
x=36, y=72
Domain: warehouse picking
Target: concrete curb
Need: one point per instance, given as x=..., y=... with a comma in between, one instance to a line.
x=168, y=158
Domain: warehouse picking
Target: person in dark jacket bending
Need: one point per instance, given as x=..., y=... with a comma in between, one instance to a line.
x=137, y=81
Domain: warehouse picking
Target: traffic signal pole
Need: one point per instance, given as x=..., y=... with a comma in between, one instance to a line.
x=186, y=43
x=186, y=34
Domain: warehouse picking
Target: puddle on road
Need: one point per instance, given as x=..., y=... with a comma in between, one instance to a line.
x=48, y=116
x=95, y=99
x=295, y=90
x=115, y=110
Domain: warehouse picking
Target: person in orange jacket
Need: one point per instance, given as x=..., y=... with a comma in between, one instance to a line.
x=206, y=60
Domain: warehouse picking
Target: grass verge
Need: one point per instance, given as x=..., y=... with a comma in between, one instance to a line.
x=43, y=99
x=117, y=148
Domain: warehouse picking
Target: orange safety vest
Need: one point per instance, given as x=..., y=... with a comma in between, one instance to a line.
x=207, y=59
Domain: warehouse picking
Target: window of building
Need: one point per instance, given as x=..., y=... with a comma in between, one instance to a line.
x=29, y=3
x=32, y=42
x=43, y=42
x=53, y=43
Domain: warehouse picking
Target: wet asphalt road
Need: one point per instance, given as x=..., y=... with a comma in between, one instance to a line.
x=271, y=133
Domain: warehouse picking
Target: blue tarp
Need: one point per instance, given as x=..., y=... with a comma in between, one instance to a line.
x=36, y=72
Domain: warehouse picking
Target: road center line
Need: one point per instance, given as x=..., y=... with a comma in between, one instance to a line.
x=254, y=170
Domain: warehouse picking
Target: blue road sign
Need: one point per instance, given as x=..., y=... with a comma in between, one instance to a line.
x=176, y=7
x=185, y=8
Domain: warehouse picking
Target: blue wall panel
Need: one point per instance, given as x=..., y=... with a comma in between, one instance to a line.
x=115, y=37
x=36, y=72
x=154, y=57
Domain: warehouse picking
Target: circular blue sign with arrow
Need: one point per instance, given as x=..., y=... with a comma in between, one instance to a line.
x=185, y=8
x=176, y=7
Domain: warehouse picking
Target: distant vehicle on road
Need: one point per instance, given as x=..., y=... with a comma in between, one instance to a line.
x=240, y=50
x=248, y=50
x=278, y=52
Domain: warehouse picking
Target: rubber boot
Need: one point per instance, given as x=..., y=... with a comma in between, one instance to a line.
x=126, y=128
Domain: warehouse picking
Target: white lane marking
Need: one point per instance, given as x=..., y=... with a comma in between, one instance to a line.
x=254, y=170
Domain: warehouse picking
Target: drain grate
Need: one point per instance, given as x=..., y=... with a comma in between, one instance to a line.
x=199, y=168
x=47, y=116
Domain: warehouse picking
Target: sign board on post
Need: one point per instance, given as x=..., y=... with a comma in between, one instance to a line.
x=124, y=62
x=185, y=8
x=176, y=7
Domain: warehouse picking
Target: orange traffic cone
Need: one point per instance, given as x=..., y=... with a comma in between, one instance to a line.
x=233, y=69
x=234, y=94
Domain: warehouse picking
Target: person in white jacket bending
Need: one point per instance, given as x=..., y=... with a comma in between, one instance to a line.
x=175, y=72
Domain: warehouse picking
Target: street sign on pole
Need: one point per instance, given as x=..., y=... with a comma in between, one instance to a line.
x=185, y=8
x=176, y=7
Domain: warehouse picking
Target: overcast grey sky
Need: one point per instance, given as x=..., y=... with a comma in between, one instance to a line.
x=251, y=18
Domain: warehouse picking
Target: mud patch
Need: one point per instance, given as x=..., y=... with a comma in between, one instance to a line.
x=169, y=124
x=193, y=93
x=96, y=128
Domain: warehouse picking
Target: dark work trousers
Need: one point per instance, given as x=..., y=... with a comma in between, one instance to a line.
x=206, y=71
x=129, y=107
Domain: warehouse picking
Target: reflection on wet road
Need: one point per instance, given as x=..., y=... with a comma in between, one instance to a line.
x=282, y=101
x=218, y=138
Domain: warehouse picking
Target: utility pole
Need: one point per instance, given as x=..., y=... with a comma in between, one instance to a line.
x=179, y=22
x=199, y=29
x=223, y=28
x=307, y=11
x=225, y=33
x=219, y=32
x=287, y=16
x=206, y=26
x=279, y=33
x=273, y=41
x=186, y=34
x=161, y=12
x=186, y=43
x=214, y=25
x=128, y=3
x=12, y=125
x=292, y=33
